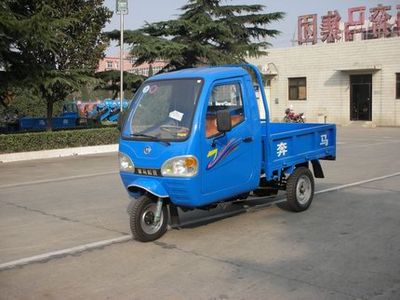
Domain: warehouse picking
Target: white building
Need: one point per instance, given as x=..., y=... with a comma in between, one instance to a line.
x=336, y=82
x=109, y=63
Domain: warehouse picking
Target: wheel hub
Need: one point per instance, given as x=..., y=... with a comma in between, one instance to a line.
x=303, y=190
x=149, y=218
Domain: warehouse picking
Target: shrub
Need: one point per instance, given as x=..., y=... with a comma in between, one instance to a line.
x=34, y=141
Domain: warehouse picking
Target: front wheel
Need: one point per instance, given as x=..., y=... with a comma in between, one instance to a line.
x=300, y=189
x=142, y=222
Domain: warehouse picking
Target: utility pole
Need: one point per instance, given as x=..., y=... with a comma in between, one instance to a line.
x=122, y=10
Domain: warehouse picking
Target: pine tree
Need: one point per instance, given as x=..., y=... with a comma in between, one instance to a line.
x=205, y=33
x=110, y=81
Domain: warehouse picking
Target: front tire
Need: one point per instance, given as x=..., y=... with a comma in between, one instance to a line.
x=142, y=220
x=300, y=189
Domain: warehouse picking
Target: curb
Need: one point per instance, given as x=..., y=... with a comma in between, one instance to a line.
x=22, y=156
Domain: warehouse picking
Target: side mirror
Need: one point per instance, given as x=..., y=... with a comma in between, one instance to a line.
x=224, y=121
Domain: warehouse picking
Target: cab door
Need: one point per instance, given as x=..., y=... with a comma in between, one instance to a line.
x=231, y=161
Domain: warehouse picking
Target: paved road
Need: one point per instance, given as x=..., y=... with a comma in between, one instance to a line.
x=346, y=246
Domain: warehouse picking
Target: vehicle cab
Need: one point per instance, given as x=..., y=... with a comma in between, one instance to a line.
x=171, y=142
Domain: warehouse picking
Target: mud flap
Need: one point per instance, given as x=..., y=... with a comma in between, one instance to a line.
x=174, y=216
x=318, y=173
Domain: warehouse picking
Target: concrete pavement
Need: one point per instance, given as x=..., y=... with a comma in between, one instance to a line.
x=346, y=246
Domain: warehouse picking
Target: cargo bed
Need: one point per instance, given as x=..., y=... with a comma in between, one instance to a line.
x=286, y=145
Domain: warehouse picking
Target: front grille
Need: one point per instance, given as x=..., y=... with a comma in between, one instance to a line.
x=148, y=172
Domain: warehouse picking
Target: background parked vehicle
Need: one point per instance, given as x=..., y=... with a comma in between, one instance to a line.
x=73, y=115
x=292, y=117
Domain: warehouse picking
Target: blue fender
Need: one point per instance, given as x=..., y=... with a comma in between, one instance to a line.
x=141, y=185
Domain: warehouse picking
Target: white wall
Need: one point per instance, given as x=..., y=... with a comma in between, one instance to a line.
x=328, y=88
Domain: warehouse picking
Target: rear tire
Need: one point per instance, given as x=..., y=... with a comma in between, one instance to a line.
x=300, y=190
x=142, y=220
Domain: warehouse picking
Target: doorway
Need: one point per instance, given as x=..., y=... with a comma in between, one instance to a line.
x=361, y=97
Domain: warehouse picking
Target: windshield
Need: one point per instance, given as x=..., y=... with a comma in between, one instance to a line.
x=163, y=110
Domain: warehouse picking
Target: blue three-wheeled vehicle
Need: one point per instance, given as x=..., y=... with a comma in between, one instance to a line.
x=194, y=138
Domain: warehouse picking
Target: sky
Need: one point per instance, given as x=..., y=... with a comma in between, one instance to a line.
x=141, y=11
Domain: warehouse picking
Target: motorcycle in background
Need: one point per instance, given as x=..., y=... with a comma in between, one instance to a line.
x=292, y=117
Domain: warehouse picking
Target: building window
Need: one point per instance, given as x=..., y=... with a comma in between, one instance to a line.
x=109, y=64
x=397, y=85
x=298, y=88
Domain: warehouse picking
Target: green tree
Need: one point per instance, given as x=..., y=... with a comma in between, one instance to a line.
x=206, y=33
x=51, y=47
x=110, y=81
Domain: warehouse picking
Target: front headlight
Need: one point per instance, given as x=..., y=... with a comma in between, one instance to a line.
x=125, y=163
x=181, y=166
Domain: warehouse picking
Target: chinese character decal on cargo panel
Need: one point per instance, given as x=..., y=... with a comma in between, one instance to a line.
x=330, y=31
x=324, y=140
x=281, y=149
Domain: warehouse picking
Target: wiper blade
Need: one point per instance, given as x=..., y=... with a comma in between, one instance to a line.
x=152, y=137
x=144, y=135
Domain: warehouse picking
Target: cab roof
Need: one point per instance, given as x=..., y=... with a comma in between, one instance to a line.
x=206, y=73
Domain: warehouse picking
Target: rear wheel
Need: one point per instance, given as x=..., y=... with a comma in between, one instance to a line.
x=300, y=189
x=142, y=221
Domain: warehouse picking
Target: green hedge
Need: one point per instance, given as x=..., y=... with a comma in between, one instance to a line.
x=35, y=141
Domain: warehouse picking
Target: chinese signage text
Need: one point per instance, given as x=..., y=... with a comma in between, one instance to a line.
x=380, y=23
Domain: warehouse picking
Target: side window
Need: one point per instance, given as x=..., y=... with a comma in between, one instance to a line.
x=227, y=96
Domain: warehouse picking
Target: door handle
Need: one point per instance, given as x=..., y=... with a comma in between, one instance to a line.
x=248, y=139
